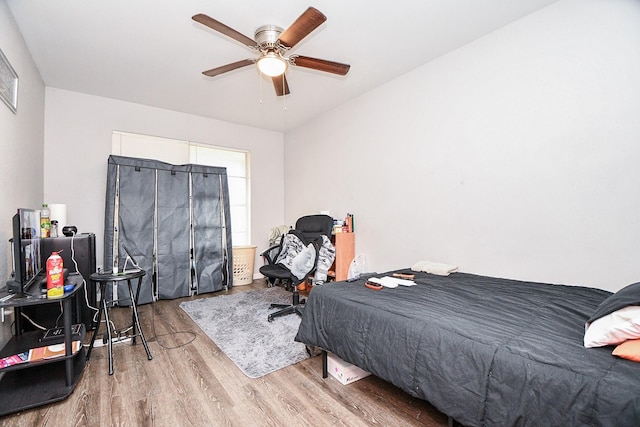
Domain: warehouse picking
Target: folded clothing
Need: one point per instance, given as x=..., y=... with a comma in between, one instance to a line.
x=434, y=268
x=303, y=263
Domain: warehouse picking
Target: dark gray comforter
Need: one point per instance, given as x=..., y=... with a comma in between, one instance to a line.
x=485, y=351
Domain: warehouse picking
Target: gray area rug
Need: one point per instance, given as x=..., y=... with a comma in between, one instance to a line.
x=238, y=325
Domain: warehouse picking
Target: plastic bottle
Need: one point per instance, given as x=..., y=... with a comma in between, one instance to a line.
x=45, y=221
x=54, y=229
x=55, y=276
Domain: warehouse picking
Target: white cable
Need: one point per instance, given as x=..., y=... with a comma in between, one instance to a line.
x=84, y=282
x=126, y=261
x=61, y=313
x=33, y=323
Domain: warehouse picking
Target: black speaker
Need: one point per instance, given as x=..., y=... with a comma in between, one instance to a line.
x=84, y=253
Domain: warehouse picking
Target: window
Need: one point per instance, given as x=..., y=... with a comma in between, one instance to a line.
x=181, y=152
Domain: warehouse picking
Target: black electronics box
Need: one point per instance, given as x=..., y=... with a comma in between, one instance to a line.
x=84, y=251
x=56, y=335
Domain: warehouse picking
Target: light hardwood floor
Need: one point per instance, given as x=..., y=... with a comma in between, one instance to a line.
x=195, y=384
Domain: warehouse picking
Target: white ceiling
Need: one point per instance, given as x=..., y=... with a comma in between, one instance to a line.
x=151, y=52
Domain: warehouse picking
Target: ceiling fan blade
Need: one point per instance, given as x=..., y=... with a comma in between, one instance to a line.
x=311, y=19
x=229, y=67
x=320, y=64
x=281, y=85
x=221, y=28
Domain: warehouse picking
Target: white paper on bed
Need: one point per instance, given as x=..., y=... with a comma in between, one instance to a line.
x=401, y=282
x=391, y=282
x=438, y=268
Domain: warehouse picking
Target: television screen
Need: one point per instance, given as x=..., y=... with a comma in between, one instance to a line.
x=26, y=246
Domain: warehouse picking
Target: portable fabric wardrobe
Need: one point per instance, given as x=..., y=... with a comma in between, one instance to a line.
x=175, y=222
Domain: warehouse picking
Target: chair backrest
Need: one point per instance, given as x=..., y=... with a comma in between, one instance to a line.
x=313, y=226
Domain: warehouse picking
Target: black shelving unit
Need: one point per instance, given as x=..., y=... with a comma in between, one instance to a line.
x=31, y=384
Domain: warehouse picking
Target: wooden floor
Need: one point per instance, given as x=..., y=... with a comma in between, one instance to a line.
x=190, y=382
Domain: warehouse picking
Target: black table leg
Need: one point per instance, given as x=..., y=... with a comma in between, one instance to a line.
x=100, y=310
x=68, y=343
x=325, y=372
x=109, y=341
x=136, y=320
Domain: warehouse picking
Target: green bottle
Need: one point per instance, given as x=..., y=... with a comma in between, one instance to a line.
x=45, y=221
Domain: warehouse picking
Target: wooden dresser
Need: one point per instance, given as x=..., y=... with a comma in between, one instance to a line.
x=345, y=244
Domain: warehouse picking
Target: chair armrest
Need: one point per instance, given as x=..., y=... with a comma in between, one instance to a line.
x=265, y=253
x=269, y=249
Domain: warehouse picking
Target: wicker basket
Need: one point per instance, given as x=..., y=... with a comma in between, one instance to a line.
x=243, y=259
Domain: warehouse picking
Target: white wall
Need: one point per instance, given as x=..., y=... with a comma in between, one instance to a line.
x=21, y=137
x=514, y=156
x=21, y=144
x=78, y=143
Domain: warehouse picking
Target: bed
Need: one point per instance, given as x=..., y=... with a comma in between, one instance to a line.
x=485, y=351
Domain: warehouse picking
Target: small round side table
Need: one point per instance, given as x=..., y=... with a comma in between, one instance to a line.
x=102, y=279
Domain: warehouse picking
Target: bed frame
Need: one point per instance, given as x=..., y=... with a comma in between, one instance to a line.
x=484, y=351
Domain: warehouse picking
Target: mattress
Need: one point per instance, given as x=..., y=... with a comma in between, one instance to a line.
x=483, y=350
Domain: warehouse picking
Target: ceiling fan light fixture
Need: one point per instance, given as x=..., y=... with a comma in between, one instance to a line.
x=273, y=44
x=272, y=64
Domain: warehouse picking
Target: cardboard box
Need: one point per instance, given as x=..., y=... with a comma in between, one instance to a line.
x=343, y=371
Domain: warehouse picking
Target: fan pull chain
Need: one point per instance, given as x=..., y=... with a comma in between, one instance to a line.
x=260, y=80
x=284, y=95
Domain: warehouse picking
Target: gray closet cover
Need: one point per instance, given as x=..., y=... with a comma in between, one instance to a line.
x=174, y=219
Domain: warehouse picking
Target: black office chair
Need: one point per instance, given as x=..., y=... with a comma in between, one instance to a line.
x=308, y=229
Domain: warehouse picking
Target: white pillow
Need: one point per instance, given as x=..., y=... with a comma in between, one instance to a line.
x=614, y=328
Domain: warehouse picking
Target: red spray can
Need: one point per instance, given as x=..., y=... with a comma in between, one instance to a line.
x=55, y=276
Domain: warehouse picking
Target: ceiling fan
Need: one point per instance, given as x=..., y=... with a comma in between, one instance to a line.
x=273, y=43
